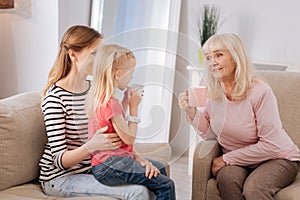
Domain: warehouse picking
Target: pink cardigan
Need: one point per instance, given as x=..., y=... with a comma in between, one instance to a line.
x=249, y=131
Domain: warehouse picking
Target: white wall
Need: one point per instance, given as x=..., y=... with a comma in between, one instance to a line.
x=268, y=28
x=28, y=46
x=29, y=39
x=73, y=12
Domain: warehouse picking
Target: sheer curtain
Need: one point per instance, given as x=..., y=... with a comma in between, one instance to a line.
x=150, y=29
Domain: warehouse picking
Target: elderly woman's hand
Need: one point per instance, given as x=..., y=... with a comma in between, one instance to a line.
x=217, y=164
x=183, y=103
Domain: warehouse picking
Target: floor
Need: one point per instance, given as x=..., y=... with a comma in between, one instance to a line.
x=183, y=181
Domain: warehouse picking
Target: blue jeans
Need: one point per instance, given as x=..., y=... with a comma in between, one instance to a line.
x=117, y=171
x=86, y=185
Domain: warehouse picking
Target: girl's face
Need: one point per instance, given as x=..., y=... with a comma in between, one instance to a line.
x=125, y=75
x=221, y=65
x=85, y=57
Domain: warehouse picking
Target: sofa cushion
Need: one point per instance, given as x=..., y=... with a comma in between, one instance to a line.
x=285, y=87
x=292, y=192
x=22, y=138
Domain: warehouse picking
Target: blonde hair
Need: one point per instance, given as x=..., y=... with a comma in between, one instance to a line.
x=76, y=38
x=108, y=60
x=244, y=72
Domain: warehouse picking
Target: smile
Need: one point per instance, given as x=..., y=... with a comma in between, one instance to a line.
x=216, y=69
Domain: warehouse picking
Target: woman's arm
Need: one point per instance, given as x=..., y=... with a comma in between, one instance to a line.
x=99, y=141
x=55, y=121
x=272, y=139
x=199, y=120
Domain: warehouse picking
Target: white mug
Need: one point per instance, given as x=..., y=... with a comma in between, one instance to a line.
x=138, y=87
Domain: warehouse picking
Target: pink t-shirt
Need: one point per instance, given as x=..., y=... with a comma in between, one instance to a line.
x=112, y=108
x=250, y=130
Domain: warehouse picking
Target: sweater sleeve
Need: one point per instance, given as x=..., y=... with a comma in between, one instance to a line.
x=201, y=123
x=54, y=117
x=269, y=132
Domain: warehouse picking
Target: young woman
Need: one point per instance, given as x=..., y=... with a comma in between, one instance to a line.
x=65, y=164
x=113, y=69
x=259, y=158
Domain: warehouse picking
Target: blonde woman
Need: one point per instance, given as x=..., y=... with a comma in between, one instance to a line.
x=65, y=164
x=258, y=157
x=113, y=69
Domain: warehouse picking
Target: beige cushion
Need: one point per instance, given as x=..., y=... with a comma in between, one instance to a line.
x=22, y=139
x=292, y=192
x=154, y=151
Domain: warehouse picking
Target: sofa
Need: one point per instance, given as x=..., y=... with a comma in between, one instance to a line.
x=286, y=86
x=22, y=140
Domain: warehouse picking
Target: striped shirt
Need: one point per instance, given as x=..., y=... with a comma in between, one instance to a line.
x=66, y=126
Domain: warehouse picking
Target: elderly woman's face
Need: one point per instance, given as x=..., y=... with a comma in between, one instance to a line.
x=221, y=65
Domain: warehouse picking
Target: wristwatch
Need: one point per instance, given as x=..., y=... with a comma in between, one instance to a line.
x=133, y=119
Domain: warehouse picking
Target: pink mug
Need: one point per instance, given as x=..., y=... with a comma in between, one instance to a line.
x=197, y=96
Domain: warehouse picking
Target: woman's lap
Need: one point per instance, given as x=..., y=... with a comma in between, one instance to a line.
x=267, y=179
x=87, y=185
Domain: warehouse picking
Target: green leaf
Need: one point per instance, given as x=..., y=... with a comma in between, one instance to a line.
x=210, y=19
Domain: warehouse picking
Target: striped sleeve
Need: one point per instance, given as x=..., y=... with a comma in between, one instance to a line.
x=54, y=117
x=66, y=126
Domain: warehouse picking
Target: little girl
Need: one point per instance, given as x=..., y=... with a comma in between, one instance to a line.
x=113, y=68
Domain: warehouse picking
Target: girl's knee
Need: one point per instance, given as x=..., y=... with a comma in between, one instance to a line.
x=171, y=185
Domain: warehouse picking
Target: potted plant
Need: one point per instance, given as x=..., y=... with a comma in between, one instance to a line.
x=208, y=25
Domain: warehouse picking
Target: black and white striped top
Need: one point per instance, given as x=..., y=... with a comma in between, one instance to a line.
x=67, y=126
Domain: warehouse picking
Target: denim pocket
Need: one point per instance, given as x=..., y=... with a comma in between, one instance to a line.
x=102, y=170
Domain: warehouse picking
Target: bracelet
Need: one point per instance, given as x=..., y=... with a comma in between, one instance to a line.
x=133, y=119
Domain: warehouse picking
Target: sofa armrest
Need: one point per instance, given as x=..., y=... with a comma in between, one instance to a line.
x=204, y=153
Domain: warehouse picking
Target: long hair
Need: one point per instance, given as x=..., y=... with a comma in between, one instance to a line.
x=108, y=59
x=244, y=72
x=76, y=38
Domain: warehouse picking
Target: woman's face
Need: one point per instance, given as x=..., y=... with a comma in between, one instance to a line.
x=85, y=57
x=221, y=65
x=126, y=74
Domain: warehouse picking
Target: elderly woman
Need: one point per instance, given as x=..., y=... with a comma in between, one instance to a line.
x=259, y=158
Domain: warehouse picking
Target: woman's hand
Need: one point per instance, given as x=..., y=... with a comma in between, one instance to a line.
x=217, y=164
x=151, y=170
x=183, y=103
x=101, y=141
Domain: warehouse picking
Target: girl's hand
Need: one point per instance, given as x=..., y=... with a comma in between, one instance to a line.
x=134, y=98
x=151, y=170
